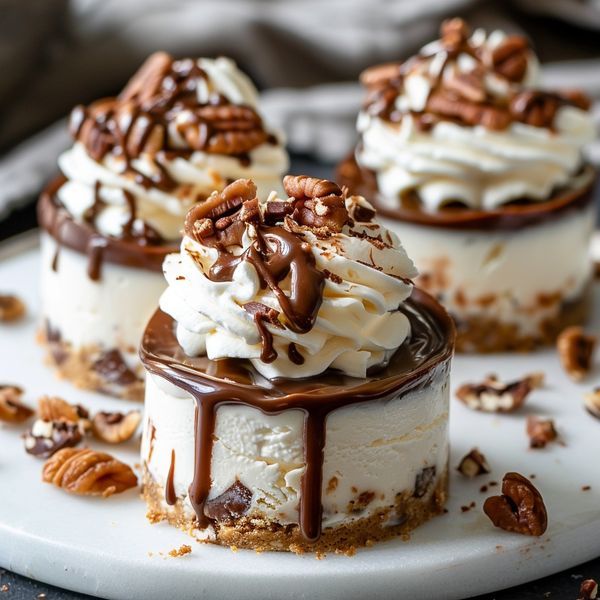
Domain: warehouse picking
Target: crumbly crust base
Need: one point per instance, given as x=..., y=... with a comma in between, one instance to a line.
x=256, y=532
x=484, y=334
x=76, y=365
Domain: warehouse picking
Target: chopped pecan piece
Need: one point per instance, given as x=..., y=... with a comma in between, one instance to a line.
x=540, y=431
x=87, y=472
x=588, y=590
x=491, y=395
x=115, y=427
x=534, y=108
x=12, y=410
x=148, y=79
x=361, y=502
x=45, y=438
x=519, y=509
x=576, y=98
x=320, y=203
x=592, y=402
x=446, y=104
x=510, y=58
x=469, y=86
x=424, y=481
x=473, y=464
x=53, y=408
x=11, y=308
x=454, y=33
x=575, y=350
x=380, y=75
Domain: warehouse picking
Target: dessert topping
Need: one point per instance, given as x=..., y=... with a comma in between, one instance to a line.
x=592, y=402
x=115, y=427
x=588, y=590
x=87, y=472
x=575, y=350
x=519, y=509
x=473, y=464
x=12, y=410
x=540, y=431
x=492, y=395
x=11, y=308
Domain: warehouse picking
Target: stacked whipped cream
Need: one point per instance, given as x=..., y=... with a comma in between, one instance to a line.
x=179, y=130
x=295, y=284
x=464, y=121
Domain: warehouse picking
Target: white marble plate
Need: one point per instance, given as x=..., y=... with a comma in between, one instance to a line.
x=107, y=548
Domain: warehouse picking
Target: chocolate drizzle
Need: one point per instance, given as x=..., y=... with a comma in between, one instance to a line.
x=170, y=495
x=419, y=361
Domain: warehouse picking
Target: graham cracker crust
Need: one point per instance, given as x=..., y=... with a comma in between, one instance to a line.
x=78, y=365
x=486, y=334
x=256, y=532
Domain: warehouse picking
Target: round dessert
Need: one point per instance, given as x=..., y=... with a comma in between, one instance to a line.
x=482, y=176
x=179, y=130
x=298, y=386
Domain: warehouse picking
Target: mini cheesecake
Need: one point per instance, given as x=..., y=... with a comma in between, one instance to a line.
x=179, y=130
x=297, y=385
x=481, y=175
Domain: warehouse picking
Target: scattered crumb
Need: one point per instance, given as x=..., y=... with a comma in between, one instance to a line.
x=532, y=476
x=492, y=483
x=181, y=551
x=468, y=507
x=483, y=489
x=446, y=511
x=586, y=488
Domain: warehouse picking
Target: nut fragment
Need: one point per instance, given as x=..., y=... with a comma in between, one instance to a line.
x=11, y=308
x=424, y=482
x=473, y=464
x=540, y=432
x=575, y=350
x=519, y=509
x=588, y=590
x=510, y=57
x=12, y=410
x=87, y=472
x=491, y=395
x=53, y=408
x=115, y=427
x=592, y=402
x=48, y=437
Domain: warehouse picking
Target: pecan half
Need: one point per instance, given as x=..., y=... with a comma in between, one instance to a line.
x=45, y=438
x=115, y=427
x=540, y=431
x=510, y=58
x=11, y=308
x=534, y=108
x=148, y=79
x=592, y=402
x=473, y=464
x=53, y=408
x=87, y=472
x=519, y=509
x=575, y=350
x=12, y=410
x=491, y=395
x=320, y=203
x=588, y=590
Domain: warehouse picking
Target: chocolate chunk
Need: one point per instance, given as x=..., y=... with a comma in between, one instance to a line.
x=424, y=482
x=473, y=464
x=232, y=504
x=47, y=437
x=113, y=369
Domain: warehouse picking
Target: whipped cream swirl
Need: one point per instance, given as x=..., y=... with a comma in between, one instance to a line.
x=464, y=123
x=361, y=268
x=163, y=162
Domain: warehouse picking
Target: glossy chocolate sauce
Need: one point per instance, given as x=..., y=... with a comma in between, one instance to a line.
x=514, y=216
x=423, y=358
x=170, y=495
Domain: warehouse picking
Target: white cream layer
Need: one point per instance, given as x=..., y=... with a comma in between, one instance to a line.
x=375, y=447
x=107, y=314
x=517, y=269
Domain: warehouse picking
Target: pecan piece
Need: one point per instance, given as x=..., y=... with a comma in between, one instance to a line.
x=588, y=590
x=510, y=58
x=11, y=308
x=148, y=79
x=53, y=408
x=454, y=33
x=115, y=427
x=575, y=350
x=534, y=108
x=519, y=509
x=473, y=464
x=87, y=472
x=45, y=438
x=540, y=431
x=381, y=75
x=592, y=402
x=320, y=203
x=491, y=395
x=12, y=410
x=424, y=481
x=469, y=86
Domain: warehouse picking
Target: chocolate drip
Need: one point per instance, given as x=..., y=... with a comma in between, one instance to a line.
x=417, y=363
x=294, y=354
x=170, y=495
x=95, y=252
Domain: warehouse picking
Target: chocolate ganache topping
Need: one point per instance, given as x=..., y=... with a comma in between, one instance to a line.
x=464, y=123
x=295, y=285
x=178, y=131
